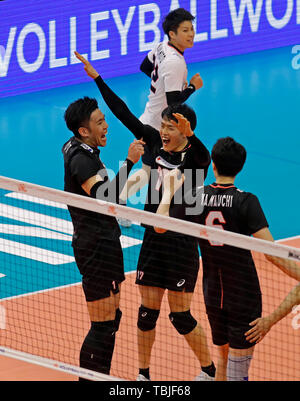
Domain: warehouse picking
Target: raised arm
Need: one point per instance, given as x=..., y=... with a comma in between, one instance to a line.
x=118, y=106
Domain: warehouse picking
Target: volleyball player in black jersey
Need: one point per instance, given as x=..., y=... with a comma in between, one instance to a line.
x=170, y=262
x=230, y=283
x=96, y=243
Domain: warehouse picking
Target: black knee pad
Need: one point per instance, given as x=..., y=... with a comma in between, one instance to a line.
x=147, y=318
x=98, y=347
x=183, y=322
x=101, y=332
x=118, y=319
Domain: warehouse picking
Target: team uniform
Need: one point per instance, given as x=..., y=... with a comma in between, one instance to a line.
x=169, y=73
x=230, y=283
x=167, y=260
x=96, y=238
x=166, y=66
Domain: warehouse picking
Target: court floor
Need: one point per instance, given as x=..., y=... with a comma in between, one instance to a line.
x=253, y=98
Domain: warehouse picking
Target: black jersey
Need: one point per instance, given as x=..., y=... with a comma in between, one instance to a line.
x=194, y=157
x=229, y=273
x=82, y=162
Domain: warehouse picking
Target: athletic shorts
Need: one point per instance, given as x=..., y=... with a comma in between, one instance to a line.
x=168, y=262
x=228, y=326
x=102, y=268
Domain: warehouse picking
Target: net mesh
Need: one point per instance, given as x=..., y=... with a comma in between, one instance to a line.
x=43, y=312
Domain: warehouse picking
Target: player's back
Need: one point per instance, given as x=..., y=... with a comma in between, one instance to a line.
x=169, y=74
x=227, y=269
x=231, y=209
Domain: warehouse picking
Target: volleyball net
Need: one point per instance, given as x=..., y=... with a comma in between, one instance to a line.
x=43, y=313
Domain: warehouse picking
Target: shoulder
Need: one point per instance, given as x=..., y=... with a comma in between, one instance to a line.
x=248, y=204
x=171, y=55
x=245, y=196
x=175, y=59
x=77, y=152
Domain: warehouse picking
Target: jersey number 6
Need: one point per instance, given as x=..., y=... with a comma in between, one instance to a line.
x=210, y=221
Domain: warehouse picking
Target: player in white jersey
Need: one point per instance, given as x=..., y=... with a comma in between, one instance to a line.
x=166, y=66
x=169, y=75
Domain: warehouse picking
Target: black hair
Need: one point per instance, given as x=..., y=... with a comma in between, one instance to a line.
x=174, y=19
x=183, y=109
x=228, y=156
x=78, y=114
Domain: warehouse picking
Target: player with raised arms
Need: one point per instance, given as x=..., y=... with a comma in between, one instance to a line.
x=169, y=262
x=166, y=66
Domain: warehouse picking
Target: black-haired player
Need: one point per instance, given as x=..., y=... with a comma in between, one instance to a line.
x=166, y=66
x=171, y=261
x=96, y=243
x=230, y=283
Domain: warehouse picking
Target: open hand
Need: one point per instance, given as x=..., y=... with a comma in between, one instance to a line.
x=182, y=124
x=261, y=327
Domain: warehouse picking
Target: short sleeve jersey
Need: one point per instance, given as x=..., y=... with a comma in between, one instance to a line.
x=229, y=273
x=81, y=163
x=169, y=74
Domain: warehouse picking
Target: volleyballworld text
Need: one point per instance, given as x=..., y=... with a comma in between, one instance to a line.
x=37, y=48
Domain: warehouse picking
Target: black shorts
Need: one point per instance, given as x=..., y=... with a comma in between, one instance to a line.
x=169, y=262
x=102, y=268
x=228, y=326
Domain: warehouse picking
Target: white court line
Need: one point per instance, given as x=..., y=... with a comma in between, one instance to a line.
x=2, y=317
x=57, y=365
x=126, y=241
x=38, y=219
x=33, y=199
x=2, y=275
x=44, y=233
x=288, y=239
x=34, y=253
x=61, y=287
x=33, y=232
x=28, y=294
x=46, y=256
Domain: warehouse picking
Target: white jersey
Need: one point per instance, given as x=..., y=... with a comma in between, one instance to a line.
x=169, y=74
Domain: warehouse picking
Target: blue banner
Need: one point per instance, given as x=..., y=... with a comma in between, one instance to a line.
x=38, y=37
